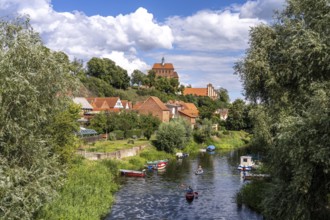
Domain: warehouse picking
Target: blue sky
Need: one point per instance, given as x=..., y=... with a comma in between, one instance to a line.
x=202, y=38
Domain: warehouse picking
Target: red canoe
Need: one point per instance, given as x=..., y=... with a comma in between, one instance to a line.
x=191, y=195
x=133, y=173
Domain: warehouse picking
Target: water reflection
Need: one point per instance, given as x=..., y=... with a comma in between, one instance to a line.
x=159, y=195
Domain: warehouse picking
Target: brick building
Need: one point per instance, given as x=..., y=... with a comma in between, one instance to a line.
x=165, y=70
x=153, y=106
x=208, y=91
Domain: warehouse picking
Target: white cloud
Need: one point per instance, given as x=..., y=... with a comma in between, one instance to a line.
x=132, y=63
x=263, y=9
x=84, y=37
x=199, y=41
x=212, y=31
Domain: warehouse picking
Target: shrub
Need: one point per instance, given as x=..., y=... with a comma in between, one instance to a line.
x=118, y=134
x=133, y=133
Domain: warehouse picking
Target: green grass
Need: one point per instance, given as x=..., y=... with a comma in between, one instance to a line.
x=112, y=146
x=231, y=139
x=86, y=194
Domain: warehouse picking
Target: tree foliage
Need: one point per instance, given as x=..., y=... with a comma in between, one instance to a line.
x=286, y=70
x=172, y=135
x=33, y=88
x=138, y=78
x=107, y=122
x=108, y=71
x=238, y=116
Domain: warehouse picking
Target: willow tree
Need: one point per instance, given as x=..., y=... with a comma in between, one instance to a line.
x=34, y=83
x=287, y=70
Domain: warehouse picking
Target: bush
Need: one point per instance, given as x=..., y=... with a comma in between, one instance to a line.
x=118, y=134
x=252, y=195
x=133, y=133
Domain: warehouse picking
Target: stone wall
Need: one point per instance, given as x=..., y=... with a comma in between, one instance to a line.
x=113, y=155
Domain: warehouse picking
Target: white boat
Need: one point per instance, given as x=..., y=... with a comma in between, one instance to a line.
x=246, y=163
x=199, y=172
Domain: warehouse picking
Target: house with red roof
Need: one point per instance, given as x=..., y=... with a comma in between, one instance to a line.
x=153, y=105
x=112, y=104
x=182, y=109
x=208, y=91
x=165, y=70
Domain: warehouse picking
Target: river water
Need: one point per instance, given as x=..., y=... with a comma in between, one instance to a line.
x=161, y=194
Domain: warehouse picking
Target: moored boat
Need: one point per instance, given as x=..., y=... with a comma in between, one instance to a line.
x=181, y=155
x=133, y=173
x=210, y=148
x=156, y=162
x=246, y=163
x=160, y=166
x=157, y=166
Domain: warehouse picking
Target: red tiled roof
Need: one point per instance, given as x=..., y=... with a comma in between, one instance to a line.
x=195, y=91
x=137, y=105
x=165, y=66
x=98, y=101
x=188, y=113
x=126, y=102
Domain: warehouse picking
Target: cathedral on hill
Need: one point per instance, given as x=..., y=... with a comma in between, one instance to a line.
x=165, y=70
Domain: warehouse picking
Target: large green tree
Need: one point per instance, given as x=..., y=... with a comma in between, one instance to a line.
x=34, y=83
x=138, y=78
x=286, y=70
x=107, y=70
x=238, y=116
x=172, y=135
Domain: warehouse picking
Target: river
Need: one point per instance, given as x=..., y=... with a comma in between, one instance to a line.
x=161, y=194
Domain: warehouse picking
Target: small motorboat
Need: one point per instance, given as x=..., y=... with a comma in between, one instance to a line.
x=133, y=173
x=246, y=163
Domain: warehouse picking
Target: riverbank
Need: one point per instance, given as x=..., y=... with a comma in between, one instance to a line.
x=88, y=192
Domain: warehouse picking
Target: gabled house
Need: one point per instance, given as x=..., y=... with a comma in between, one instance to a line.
x=111, y=104
x=127, y=105
x=153, y=105
x=86, y=108
x=208, y=91
x=181, y=109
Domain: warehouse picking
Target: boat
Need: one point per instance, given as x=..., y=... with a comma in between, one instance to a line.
x=191, y=195
x=180, y=155
x=246, y=163
x=133, y=173
x=156, y=162
x=160, y=166
x=157, y=166
x=199, y=172
x=210, y=148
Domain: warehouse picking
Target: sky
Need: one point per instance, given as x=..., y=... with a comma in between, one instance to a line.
x=202, y=38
